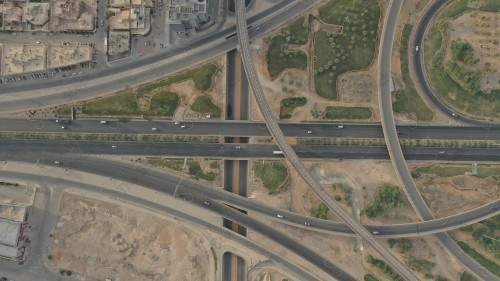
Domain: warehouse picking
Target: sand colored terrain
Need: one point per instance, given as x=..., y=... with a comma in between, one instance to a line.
x=101, y=239
x=444, y=196
x=482, y=31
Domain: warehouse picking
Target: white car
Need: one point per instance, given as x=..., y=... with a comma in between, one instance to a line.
x=154, y=129
x=113, y=146
x=280, y=216
x=183, y=126
x=177, y=122
x=62, y=127
x=238, y=147
x=340, y=127
x=375, y=232
x=206, y=203
x=454, y=114
x=57, y=162
x=307, y=223
x=416, y=49
x=309, y=132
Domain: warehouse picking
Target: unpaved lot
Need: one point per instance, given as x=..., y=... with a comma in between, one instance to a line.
x=366, y=176
x=482, y=31
x=100, y=239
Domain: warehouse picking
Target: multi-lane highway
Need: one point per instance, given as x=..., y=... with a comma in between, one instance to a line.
x=248, y=129
x=156, y=180
x=394, y=148
x=183, y=188
x=246, y=151
x=36, y=270
x=292, y=157
x=19, y=97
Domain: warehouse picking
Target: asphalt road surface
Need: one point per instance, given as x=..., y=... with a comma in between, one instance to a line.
x=248, y=129
x=167, y=183
x=21, y=97
x=394, y=148
x=247, y=151
x=416, y=58
x=35, y=269
x=181, y=188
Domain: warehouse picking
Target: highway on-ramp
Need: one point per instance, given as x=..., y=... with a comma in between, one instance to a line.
x=394, y=148
x=22, y=97
x=418, y=68
x=292, y=157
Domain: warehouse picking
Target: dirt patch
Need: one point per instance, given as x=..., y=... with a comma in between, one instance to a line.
x=482, y=31
x=369, y=174
x=271, y=275
x=448, y=196
x=99, y=240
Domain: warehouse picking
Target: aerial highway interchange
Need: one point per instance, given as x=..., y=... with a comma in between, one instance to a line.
x=90, y=156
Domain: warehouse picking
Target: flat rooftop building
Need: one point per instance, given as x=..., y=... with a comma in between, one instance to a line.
x=13, y=223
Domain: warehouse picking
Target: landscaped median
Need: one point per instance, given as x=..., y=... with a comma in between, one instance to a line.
x=482, y=260
x=106, y=137
x=437, y=143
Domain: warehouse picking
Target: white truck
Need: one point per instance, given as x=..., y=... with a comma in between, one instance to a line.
x=277, y=152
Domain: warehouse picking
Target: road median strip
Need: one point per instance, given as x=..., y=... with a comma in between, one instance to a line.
x=107, y=137
x=437, y=143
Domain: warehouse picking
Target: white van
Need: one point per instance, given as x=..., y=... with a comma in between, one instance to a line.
x=104, y=122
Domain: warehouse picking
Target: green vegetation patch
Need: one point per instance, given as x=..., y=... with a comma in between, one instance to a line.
x=403, y=244
x=163, y=104
x=352, y=49
x=204, y=104
x=468, y=80
x=197, y=172
x=8, y=183
x=467, y=277
x=177, y=164
x=386, y=196
x=297, y=32
x=288, y=105
x=407, y=99
x=107, y=137
x=384, y=268
x=320, y=211
x=462, y=51
x=369, y=277
x=272, y=173
x=202, y=77
x=341, y=112
x=420, y=265
x=174, y=164
x=454, y=84
x=279, y=58
x=482, y=260
x=451, y=170
x=487, y=234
